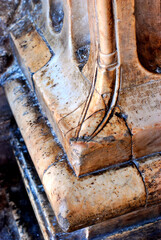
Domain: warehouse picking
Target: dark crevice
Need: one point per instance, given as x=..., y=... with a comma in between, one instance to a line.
x=56, y=15
x=114, y=167
x=123, y=116
x=148, y=156
x=82, y=55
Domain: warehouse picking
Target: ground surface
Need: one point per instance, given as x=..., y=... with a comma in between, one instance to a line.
x=15, y=209
x=17, y=220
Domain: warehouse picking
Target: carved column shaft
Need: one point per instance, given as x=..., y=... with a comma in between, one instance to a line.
x=106, y=31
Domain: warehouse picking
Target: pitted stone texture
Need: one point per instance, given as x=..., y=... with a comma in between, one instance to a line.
x=56, y=86
x=31, y=50
x=63, y=90
x=142, y=106
x=77, y=202
x=80, y=201
x=151, y=172
x=111, y=146
x=40, y=143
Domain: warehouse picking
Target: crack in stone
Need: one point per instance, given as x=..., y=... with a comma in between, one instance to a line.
x=85, y=120
x=111, y=107
x=146, y=190
x=124, y=117
x=88, y=101
x=71, y=113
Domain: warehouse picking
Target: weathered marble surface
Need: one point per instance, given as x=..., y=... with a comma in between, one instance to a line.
x=105, y=114
x=78, y=202
x=94, y=112
x=139, y=221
